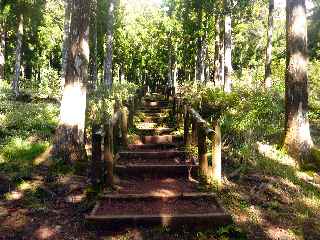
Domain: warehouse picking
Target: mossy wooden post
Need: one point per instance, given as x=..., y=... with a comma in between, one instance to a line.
x=186, y=135
x=216, y=152
x=108, y=152
x=124, y=127
x=202, y=149
x=96, y=161
x=174, y=108
x=131, y=112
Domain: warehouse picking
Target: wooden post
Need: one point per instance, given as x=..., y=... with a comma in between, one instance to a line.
x=124, y=127
x=174, y=108
x=202, y=149
x=108, y=152
x=96, y=161
x=194, y=131
x=116, y=128
x=131, y=112
x=216, y=152
x=186, y=135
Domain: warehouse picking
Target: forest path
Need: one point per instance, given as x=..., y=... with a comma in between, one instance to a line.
x=158, y=183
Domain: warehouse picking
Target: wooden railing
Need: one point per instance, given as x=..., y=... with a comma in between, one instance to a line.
x=201, y=130
x=109, y=137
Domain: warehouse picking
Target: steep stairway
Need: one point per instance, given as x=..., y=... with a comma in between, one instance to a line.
x=158, y=183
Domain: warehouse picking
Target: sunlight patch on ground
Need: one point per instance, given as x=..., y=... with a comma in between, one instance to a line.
x=43, y=158
x=271, y=152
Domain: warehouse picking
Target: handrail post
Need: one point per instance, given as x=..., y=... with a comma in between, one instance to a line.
x=116, y=128
x=194, y=130
x=108, y=152
x=96, y=163
x=186, y=135
x=216, y=152
x=202, y=149
x=124, y=127
x=131, y=112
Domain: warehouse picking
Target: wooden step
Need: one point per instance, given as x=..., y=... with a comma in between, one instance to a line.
x=155, y=131
x=151, y=147
x=157, y=170
x=164, y=139
x=194, y=210
x=167, y=154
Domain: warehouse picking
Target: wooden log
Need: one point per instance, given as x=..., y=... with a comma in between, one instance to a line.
x=216, y=152
x=96, y=161
x=186, y=134
x=202, y=150
x=108, y=153
x=124, y=127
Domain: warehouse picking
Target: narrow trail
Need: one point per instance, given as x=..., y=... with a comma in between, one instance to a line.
x=158, y=183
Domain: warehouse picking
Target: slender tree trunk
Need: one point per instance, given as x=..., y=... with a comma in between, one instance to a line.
x=267, y=76
x=69, y=137
x=122, y=73
x=200, y=47
x=109, y=45
x=227, y=53
x=2, y=49
x=297, y=139
x=221, y=53
x=15, y=83
x=94, y=44
x=216, y=53
x=66, y=38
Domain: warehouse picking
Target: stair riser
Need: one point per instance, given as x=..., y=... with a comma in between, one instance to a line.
x=194, y=221
x=161, y=139
x=152, y=155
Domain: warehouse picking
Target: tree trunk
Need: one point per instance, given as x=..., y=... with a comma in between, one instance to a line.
x=267, y=76
x=200, y=47
x=109, y=46
x=69, y=137
x=297, y=139
x=66, y=38
x=227, y=54
x=221, y=52
x=15, y=83
x=2, y=49
x=94, y=44
x=216, y=54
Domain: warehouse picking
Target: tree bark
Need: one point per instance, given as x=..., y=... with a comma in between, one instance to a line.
x=109, y=46
x=66, y=38
x=94, y=44
x=15, y=83
x=267, y=77
x=227, y=53
x=2, y=49
x=216, y=53
x=221, y=53
x=200, y=47
x=297, y=141
x=69, y=137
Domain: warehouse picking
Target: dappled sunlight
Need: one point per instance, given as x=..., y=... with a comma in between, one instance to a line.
x=273, y=153
x=299, y=21
x=44, y=233
x=43, y=158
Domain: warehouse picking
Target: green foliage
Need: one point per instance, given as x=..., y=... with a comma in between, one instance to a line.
x=102, y=100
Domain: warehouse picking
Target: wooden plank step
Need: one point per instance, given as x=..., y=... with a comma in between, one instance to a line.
x=174, y=211
x=154, y=131
x=157, y=170
x=164, y=139
x=167, y=154
x=151, y=147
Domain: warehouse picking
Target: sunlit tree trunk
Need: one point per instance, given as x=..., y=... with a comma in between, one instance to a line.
x=109, y=45
x=66, y=39
x=227, y=51
x=297, y=139
x=69, y=137
x=2, y=49
x=267, y=76
x=15, y=83
x=94, y=44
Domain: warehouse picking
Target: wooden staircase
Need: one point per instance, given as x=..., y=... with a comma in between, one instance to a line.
x=158, y=183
